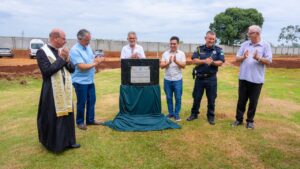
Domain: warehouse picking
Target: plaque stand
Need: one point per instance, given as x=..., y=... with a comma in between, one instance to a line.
x=140, y=105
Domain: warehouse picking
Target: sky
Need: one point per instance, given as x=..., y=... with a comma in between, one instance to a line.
x=153, y=20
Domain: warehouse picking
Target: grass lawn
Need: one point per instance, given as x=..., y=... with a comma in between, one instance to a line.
x=274, y=143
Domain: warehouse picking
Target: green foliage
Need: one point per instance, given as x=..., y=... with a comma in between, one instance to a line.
x=231, y=26
x=290, y=35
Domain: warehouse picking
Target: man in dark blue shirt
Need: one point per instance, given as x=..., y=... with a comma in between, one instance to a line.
x=207, y=59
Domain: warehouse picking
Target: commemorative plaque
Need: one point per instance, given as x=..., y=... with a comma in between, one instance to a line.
x=140, y=72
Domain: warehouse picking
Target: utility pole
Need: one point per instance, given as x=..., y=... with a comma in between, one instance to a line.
x=22, y=38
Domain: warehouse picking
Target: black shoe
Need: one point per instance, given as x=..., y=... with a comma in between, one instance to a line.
x=95, y=123
x=169, y=116
x=192, y=117
x=250, y=125
x=211, y=121
x=236, y=123
x=75, y=146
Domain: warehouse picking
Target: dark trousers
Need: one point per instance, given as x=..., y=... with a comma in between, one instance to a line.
x=247, y=91
x=86, y=97
x=210, y=86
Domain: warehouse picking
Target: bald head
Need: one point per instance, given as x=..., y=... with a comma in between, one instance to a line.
x=56, y=32
x=57, y=38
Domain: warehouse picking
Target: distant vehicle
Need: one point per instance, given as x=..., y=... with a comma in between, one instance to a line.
x=99, y=53
x=6, y=52
x=34, y=46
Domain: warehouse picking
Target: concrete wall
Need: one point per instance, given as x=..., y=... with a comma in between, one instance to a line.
x=114, y=45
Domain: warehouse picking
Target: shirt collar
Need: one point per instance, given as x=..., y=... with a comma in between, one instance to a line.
x=129, y=47
x=173, y=52
x=51, y=47
x=211, y=48
x=258, y=44
x=83, y=47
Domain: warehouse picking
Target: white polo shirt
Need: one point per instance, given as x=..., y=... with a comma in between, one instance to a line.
x=127, y=51
x=173, y=72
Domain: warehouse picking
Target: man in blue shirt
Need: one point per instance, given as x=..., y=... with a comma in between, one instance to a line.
x=253, y=55
x=207, y=59
x=83, y=58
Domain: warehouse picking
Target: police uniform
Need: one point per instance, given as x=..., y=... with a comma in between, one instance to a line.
x=205, y=78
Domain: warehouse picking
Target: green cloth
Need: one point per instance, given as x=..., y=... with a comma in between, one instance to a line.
x=140, y=110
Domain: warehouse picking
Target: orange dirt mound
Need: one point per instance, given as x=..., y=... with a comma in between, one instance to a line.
x=22, y=65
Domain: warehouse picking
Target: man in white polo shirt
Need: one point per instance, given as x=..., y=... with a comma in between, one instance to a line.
x=173, y=61
x=132, y=50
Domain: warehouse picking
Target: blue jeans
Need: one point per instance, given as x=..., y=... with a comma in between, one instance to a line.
x=175, y=87
x=86, y=97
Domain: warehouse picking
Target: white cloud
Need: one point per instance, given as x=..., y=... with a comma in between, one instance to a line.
x=152, y=20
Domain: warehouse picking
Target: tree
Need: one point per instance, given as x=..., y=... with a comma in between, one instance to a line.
x=231, y=26
x=290, y=35
x=296, y=45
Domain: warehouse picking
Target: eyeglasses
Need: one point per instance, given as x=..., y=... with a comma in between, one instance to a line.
x=62, y=38
x=250, y=33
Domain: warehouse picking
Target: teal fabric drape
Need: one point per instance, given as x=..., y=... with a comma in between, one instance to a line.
x=140, y=110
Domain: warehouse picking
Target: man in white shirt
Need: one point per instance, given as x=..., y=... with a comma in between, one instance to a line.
x=173, y=61
x=254, y=55
x=132, y=50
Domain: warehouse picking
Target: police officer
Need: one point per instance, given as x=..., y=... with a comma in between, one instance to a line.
x=207, y=59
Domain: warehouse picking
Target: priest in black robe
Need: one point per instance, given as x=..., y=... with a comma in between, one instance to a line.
x=55, y=120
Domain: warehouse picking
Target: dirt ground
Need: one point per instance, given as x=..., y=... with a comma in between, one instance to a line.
x=22, y=65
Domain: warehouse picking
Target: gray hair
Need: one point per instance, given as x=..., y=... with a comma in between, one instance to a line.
x=131, y=33
x=211, y=33
x=255, y=28
x=82, y=33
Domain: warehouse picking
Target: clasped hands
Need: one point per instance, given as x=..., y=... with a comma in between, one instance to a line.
x=255, y=55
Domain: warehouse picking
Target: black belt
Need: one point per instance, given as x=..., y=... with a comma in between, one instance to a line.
x=205, y=75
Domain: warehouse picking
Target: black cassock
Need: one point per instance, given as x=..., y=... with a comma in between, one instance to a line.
x=55, y=133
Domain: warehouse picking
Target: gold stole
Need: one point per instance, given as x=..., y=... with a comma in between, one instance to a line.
x=62, y=93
